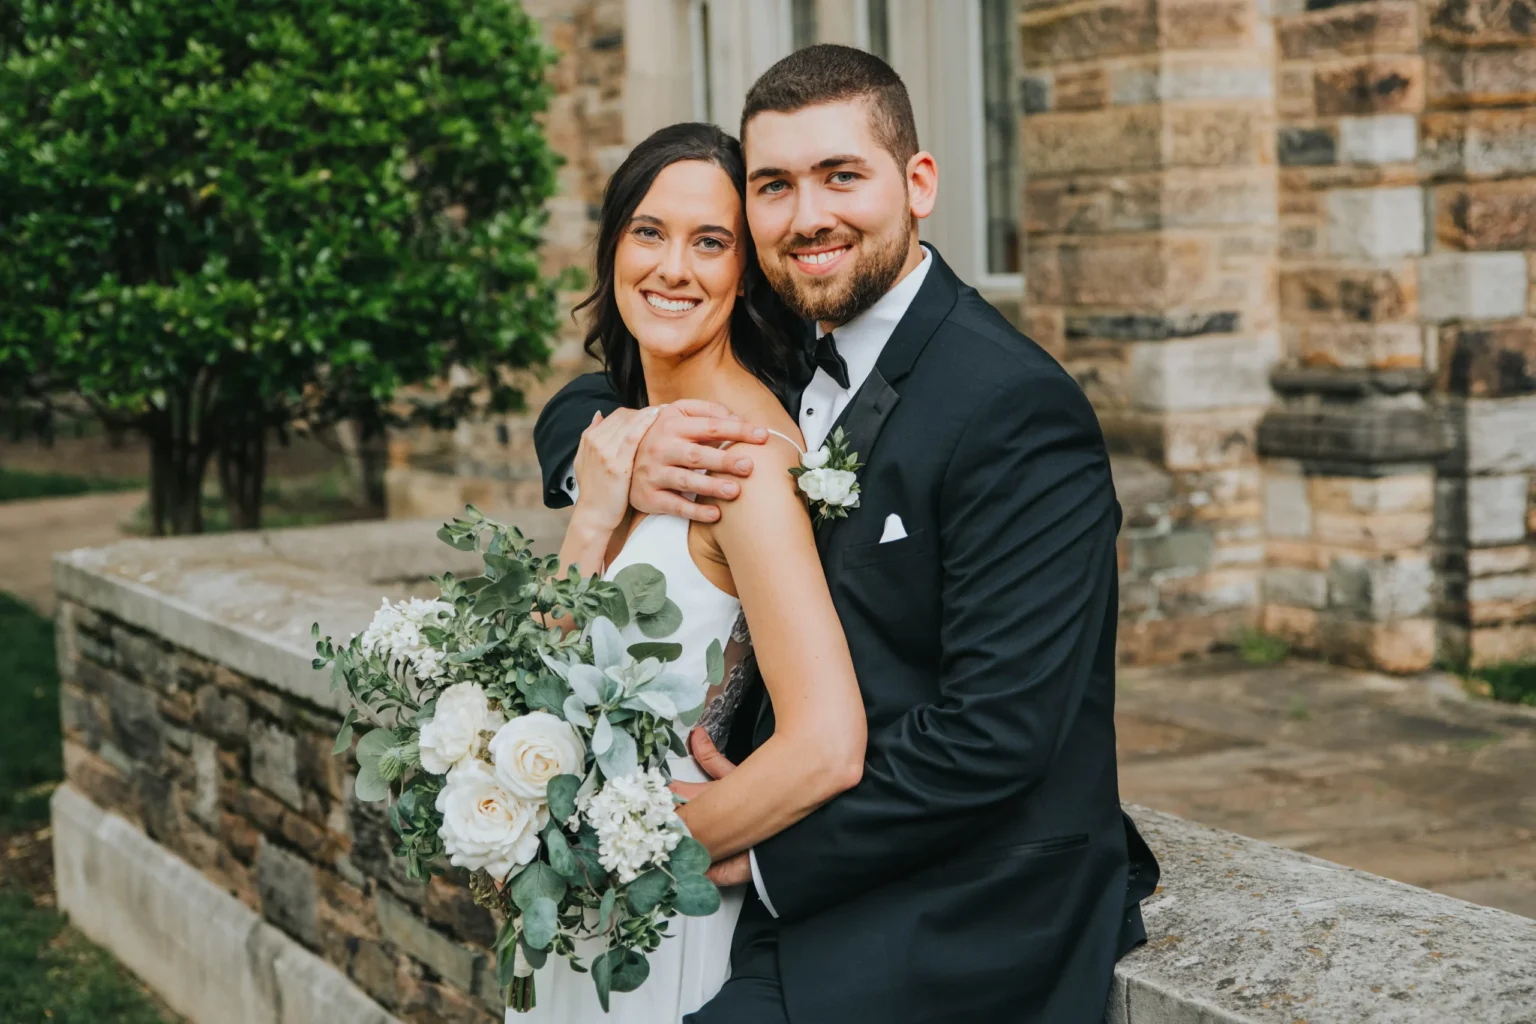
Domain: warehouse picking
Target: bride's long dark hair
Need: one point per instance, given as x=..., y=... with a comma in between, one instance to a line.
x=764, y=334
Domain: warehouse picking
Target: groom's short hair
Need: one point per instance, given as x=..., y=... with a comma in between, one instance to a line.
x=829, y=73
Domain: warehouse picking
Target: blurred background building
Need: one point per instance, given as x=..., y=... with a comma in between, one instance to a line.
x=1288, y=250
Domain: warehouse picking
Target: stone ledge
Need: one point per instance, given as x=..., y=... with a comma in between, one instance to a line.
x=1243, y=932
x=211, y=958
x=247, y=600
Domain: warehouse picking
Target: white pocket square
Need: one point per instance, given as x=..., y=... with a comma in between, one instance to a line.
x=893, y=529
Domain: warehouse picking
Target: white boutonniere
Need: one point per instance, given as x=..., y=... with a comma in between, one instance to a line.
x=828, y=477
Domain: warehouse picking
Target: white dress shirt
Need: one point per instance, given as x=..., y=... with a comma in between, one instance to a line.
x=860, y=342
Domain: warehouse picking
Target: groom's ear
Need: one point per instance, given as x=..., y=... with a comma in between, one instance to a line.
x=922, y=184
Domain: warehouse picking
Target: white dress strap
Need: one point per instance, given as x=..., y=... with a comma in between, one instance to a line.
x=775, y=433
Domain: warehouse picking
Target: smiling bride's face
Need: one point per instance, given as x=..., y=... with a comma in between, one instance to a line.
x=680, y=261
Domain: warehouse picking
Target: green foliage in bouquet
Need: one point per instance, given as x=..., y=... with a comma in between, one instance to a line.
x=226, y=216
x=525, y=645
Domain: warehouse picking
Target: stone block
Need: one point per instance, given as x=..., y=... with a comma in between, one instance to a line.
x=1081, y=88
x=1118, y=139
x=1207, y=24
x=1376, y=84
x=1382, y=139
x=1295, y=94
x=1156, y=272
x=1381, y=589
x=1208, y=593
x=205, y=794
x=1360, y=295
x=1350, y=29
x=1035, y=94
x=1287, y=507
x=136, y=724
x=1203, y=373
x=1190, y=550
x=1150, y=326
x=1060, y=36
x=1375, y=223
x=1478, y=143
x=1489, y=361
x=1498, y=435
x=224, y=715
x=1172, y=79
x=1481, y=22
x=1393, y=532
x=1212, y=136
x=1502, y=645
x=286, y=883
x=1307, y=146
x=1295, y=588
x=1472, y=286
x=1372, y=346
x=1496, y=561
x=1486, y=216
x=1496, y=509
x=1464, y=78
x=399, y=924
x=274, y=763
x=1495, y=599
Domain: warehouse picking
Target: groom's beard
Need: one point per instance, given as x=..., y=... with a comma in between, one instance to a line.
x=876, y=265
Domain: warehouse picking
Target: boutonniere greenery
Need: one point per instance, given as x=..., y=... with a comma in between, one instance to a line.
x=828, y=478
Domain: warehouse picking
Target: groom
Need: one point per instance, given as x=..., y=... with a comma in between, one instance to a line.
x=982, y=870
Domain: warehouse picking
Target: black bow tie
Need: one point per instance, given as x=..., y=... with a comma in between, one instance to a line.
x=827, y=359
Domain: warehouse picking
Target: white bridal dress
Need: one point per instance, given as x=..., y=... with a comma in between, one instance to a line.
x=694, y=960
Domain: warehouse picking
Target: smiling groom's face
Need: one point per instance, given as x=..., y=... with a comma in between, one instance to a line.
x=833, y=214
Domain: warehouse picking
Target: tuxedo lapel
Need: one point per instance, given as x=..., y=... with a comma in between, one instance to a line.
x=866, y=415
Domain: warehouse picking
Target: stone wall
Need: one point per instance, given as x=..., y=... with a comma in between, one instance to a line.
x=1478, y=155
x=207, y=836
x=1150, y=219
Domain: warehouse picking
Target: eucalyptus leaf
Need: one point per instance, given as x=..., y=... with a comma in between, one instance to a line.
x=541, y=922
x=644, y=586
x=696, y=896
x=344, y=736
x=689, y=857
x=613, y=606
x=607, y=644
x=647, y=890
x=456, y=540
x=536, y=958
x=373, y=746
x=537, y=880
x=658, y=704
x=714, y=663
x=371, y=787
x=630, y=969
x=660, y=651
x=560, y=856
x=474, y=653
x=547, y=693
x=605, y=908
x=663, y=623
x=602, y=977
x=561, y=794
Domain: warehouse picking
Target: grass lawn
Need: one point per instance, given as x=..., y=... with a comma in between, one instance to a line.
x=48, y=971
x=20, y=484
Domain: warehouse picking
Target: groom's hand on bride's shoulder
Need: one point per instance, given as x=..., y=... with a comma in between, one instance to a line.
x=685, y=438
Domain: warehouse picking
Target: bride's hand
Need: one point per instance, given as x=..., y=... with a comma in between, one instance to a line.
x=605, y=461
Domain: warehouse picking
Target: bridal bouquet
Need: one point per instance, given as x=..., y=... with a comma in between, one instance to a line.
x=534, y=754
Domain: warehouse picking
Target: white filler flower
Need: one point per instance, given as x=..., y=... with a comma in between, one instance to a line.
x=395, y=634
x=532, y=749
x=636, y=822
x=453, y=734
x=484, y=826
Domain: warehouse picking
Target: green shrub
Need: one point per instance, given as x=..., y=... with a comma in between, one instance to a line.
x=223, y=216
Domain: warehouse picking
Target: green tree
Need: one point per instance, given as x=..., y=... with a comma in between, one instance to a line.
x=220, y=217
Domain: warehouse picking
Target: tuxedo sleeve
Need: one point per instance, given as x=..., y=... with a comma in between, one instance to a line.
x=1027, y=525
x=557, y=433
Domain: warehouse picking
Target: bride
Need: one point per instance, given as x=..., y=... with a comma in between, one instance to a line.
x=681, y=311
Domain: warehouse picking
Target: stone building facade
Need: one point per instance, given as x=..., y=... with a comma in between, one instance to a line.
x=1288, y=247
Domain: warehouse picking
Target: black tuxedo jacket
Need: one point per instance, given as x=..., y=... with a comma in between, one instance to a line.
x=982, y=869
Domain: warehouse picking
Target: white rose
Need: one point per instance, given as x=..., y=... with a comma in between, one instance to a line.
x=450, y=738
x=817, y=458
x=814, y=484
x=532, y=749
x=840, y=487
x=484, y=826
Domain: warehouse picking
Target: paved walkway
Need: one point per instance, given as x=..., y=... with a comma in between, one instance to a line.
x=1390, y=775
x=31, y=531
